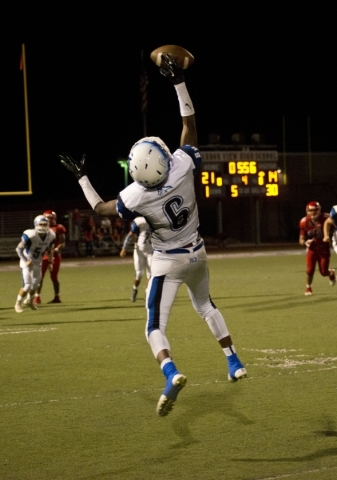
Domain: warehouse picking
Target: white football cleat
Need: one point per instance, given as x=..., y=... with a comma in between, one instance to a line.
x=167, y=400
x=18, y=307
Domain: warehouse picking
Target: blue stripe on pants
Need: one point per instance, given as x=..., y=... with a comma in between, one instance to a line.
x=153, y=303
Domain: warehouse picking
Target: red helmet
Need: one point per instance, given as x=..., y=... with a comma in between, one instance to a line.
x=49, y=213
x=313, y=210
x=51, y=216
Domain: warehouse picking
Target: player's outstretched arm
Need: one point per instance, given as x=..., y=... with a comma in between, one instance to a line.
x=189, y=133
x=171, y=70
x=79, y=169
x=106, y=208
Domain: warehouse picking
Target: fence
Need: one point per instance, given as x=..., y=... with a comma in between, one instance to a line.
x=13, y=224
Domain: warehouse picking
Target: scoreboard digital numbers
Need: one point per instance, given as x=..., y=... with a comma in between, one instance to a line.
x=240, y=173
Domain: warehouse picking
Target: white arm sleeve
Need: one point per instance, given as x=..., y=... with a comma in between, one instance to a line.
x=90, y=193
x=185, y=102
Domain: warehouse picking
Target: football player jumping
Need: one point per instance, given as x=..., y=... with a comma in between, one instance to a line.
x=163, y=193
x=33, y=245
x=317, y=250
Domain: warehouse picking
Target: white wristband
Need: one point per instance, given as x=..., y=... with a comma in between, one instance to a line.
x=185, y=102
x=90, y=193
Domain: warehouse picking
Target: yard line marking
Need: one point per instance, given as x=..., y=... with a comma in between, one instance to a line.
x=305, y=472
x=273, y=350
x=43, y=329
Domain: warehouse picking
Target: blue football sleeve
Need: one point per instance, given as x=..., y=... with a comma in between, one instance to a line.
x=333, y=214
x=124, y=212
x=194, y=153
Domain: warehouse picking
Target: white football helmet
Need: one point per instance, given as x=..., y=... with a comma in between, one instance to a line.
x=149, y=162
x=41, y=224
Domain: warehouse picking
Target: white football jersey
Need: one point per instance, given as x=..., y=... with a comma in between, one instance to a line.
x=171, y=209
x=141, y=228
x=34, y=246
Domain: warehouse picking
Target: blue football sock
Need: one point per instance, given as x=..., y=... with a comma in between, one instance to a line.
x=169, y=369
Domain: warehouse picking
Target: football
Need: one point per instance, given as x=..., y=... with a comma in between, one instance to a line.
x=180, y=54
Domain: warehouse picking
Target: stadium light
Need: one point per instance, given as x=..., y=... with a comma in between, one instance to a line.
x=124, y=164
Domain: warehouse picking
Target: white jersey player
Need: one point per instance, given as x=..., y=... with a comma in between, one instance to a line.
x=330, y=222
x=33, y=245
x=142, y=252
x=163, y=193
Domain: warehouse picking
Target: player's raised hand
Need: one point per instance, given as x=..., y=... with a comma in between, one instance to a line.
x=79, y=169
x=171, y=69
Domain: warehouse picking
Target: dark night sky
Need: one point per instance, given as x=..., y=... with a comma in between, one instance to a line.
x=255, y=63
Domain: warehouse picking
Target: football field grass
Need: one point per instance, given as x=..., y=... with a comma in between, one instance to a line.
x=79, y=385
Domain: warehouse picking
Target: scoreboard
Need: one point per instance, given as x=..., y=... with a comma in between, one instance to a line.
x=240, y=173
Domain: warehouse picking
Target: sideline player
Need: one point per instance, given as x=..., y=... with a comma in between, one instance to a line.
x=317, y=250
x=59, y=244
x=34, y=243
x=142, y=252
x=163, y=193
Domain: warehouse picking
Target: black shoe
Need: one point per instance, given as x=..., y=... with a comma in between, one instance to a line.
x=134, y=295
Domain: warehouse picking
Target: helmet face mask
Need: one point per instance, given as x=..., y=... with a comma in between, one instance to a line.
x=41, y=224
x=313, y=210
x=149, y=162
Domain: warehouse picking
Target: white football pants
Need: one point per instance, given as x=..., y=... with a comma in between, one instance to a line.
x=142, y=261
x=31, y=277
x=169, y=272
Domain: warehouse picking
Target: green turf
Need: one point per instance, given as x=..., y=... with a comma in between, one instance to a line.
x=79, y=385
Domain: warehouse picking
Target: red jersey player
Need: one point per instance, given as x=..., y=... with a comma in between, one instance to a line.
x=311, y=236
x=59, y=244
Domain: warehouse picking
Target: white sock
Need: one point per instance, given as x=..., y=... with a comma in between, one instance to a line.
x=228, y=351
x=164, y=362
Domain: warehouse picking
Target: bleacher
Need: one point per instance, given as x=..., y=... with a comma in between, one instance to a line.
x=13, y=224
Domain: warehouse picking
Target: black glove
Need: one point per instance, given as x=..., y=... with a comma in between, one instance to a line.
x=79, y=169
x=171, y=69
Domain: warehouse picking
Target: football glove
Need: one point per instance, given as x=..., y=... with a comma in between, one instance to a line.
x=171, y=69
x=79, y=169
